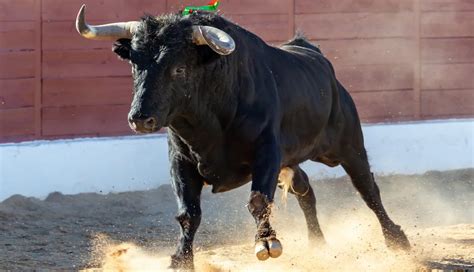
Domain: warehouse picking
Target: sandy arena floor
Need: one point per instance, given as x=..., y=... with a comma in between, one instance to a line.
x=136, y=231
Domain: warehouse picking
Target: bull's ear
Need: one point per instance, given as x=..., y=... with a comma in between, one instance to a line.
x=122, y=48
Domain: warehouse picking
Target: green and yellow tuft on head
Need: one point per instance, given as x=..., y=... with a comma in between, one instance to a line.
x=212, y=6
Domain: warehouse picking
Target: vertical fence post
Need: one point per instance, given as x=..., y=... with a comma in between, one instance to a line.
x=291, y=18
x=38, y=69
x=417, y=63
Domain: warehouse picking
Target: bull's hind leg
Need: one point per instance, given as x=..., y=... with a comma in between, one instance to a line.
x=297, y=183
x=356, y=165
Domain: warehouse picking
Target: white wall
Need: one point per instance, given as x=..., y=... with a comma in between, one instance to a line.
x=141, y=162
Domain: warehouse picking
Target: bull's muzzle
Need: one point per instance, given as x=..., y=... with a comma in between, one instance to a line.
x=144, y=125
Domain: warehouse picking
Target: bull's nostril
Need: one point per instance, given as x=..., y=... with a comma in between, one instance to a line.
x=150, y=123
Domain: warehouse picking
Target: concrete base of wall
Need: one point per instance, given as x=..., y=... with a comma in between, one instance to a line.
x=117, y=164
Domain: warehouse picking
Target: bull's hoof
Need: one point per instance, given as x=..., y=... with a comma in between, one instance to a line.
x=274, y=248
x=395, y=239
x=269, y=248
x=181, y=263
x=261, y=250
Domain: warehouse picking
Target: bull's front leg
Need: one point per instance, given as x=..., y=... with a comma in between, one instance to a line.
x=264, y=182
x=187, y=185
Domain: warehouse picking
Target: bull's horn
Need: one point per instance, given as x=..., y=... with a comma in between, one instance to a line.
x=108, y=32
x=218, y=40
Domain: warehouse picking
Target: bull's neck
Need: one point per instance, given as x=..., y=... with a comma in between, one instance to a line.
x=202, y=122
x=206, y=118
x=225, y=84
x=202, y=131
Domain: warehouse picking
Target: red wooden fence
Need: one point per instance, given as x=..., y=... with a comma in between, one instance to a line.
x=400, y=59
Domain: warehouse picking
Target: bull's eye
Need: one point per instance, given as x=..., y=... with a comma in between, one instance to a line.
x=179, y=71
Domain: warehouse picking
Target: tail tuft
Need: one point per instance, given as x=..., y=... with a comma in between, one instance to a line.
x=301, y=40
x=285, y=182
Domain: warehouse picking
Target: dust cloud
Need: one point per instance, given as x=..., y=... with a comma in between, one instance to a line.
x=435, y=210
x=136, y=231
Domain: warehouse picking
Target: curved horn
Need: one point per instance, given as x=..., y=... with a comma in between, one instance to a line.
x=108, y=32
x=218, y=40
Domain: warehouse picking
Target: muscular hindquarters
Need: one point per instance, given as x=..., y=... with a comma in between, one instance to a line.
x=310, y=109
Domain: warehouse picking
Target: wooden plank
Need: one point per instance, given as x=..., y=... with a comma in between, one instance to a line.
x=270, y=27
x=99, y=134
x=378, y=77
x=16, y=122
x=87, y=135
x=368, y=51
x=447, y=5
x=87, y=91
x=17, y=65
x=385, y=120
x=106, y=10
x=449, y=50
x=384, y=105
x=17, y=10
x=447, y=24
x=85, y=120
x=356, y=25
x=17, y=93
x=17, y=139
x=87, y=63
x=448, y=103
x=63, y=36
x=347, y=6
x=447, y=76
x=17, y=36
x=236, y=6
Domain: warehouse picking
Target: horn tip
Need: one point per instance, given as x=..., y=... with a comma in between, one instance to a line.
x=80, y=20
x=82, y=11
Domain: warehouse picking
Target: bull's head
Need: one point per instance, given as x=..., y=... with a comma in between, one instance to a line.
x=166, y=58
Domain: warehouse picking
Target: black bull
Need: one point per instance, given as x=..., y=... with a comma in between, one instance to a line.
x=252, y=115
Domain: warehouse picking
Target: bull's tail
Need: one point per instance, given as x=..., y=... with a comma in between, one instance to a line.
x=285, y=182
x=301, y=40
